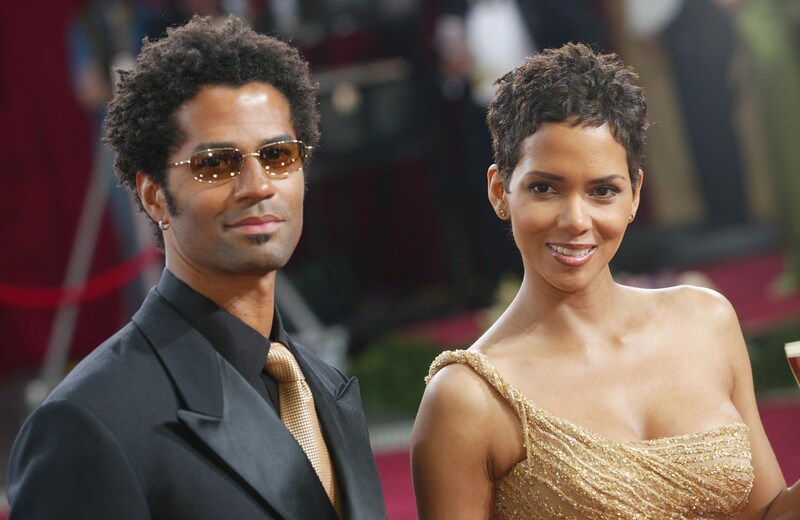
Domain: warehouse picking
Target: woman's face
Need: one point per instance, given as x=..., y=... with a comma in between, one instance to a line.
x=569, y=200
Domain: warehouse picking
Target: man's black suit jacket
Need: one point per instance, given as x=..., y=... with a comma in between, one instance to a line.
x=156, y=424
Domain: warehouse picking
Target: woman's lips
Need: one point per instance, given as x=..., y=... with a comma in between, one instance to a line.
x=571, y=255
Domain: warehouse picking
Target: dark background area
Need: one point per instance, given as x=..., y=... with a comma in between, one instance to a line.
x=386, y=242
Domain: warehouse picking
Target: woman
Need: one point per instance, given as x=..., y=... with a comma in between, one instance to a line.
x=589, y=399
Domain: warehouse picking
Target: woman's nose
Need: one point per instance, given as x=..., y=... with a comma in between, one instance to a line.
x=574, y=216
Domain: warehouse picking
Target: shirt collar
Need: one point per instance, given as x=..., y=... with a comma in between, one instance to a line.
x=241, y=345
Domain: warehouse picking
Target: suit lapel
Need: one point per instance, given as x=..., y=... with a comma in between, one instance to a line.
x=341, y=415
x=229, y=416
x=243, y=437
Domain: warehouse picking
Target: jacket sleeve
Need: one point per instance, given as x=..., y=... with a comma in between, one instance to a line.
x=66, y=464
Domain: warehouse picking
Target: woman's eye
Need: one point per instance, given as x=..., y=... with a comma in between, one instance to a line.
x=606, y=191
x=539, y=187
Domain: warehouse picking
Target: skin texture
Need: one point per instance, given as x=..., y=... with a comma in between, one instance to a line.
x=570, y=190
x=140, y=121
x=623, y=362
x=226, y=239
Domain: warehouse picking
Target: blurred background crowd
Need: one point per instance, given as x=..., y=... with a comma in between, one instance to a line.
x=401, y=253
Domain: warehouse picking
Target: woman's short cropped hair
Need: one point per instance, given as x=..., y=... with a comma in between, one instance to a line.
x=571, y=84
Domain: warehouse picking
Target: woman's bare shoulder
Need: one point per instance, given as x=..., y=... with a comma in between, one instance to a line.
x=458, y=387
x=452, y=449
x=688, y=317
x=455, y=408
x=687, y=301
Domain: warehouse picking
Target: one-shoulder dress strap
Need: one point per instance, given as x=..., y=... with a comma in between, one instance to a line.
x=484, y=368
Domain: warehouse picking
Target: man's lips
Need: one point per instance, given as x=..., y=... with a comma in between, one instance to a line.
x=257, y=225
x=572, y=254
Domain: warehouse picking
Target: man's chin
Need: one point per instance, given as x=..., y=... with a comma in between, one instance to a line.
x=259, y=239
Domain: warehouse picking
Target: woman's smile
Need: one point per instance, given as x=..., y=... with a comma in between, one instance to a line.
x=572, y=255
x=570, y=199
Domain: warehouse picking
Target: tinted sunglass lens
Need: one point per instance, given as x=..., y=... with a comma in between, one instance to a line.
x=281, y=158
x=216, y=165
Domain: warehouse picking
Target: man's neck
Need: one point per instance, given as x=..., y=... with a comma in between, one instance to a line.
x=251, y=298
x=255, y=307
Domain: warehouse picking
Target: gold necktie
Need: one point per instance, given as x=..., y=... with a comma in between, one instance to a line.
x=298, y=414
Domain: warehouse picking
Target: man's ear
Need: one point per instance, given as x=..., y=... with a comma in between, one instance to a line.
x=152, y=196
x=496, y=191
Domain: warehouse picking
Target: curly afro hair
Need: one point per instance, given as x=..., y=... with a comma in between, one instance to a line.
x=570, y=84
x=140, y=124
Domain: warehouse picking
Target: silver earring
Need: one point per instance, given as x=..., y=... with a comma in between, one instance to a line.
x=163, y=226
x=502, y=213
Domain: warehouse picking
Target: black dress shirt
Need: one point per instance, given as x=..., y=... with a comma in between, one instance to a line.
x=239, y=344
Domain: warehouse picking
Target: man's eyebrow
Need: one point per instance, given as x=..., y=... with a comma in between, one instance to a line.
x=277, y=139
x=228, y=144
x=206, y=146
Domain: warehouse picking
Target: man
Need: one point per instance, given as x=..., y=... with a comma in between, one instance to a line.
x=176, y=416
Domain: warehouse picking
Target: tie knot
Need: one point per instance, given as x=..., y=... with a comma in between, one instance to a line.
x=282, y=365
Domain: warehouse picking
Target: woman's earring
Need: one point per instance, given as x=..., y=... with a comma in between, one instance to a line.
x=630, y=219
x=163, y=225
x=502, y=213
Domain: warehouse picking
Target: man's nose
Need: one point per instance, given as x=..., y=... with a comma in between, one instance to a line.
x=253, y=181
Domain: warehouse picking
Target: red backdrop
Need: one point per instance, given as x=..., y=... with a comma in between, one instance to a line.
x=45, y=148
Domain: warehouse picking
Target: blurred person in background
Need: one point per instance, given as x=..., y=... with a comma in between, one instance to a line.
x=588, y=399
x=178, y=12
x=202, y=407
x=700, y=41
x=104, y=36
x=770, y=31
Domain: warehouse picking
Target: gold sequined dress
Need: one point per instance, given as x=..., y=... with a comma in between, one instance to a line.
x=571, y=472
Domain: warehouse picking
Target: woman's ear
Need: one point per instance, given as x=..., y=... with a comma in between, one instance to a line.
x=152, y=196
x=637, y=192
x=496, y=191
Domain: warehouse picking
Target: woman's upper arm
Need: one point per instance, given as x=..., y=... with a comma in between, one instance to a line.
x=451, y=445
x=769, y=481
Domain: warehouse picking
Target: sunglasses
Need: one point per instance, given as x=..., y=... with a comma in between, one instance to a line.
x=278, y=159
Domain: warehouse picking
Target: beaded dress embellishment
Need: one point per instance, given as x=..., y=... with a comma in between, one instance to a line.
x=573, y=473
